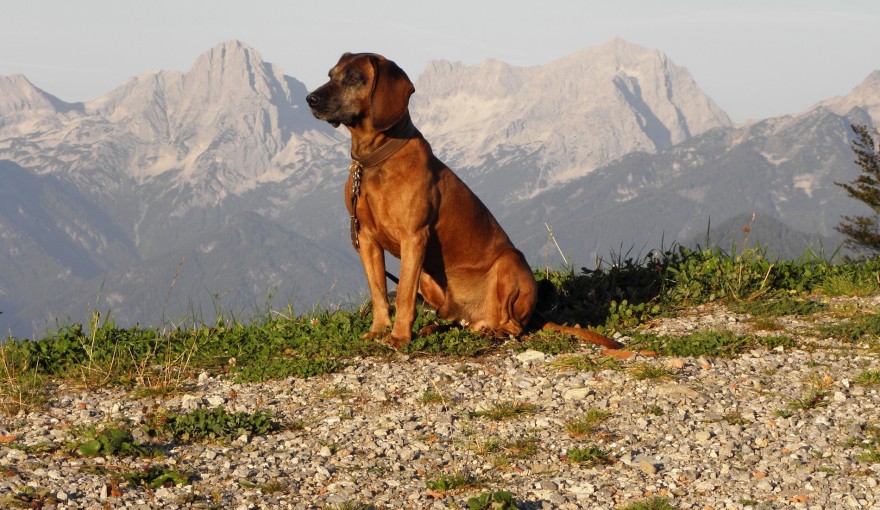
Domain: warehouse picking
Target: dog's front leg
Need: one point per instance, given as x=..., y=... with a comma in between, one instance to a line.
x=373, y=261
x=412, y=256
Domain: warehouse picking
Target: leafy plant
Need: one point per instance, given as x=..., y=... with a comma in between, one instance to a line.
x=156, y=476
x=113, y=441
x=655, y=503
x=500, y=500
x=588, y=455
x=448, y=482
x=212, y=424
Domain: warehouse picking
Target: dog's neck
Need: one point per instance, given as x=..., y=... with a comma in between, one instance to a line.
x=370, y=150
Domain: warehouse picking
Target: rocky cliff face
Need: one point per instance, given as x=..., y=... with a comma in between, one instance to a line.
x=566, y=118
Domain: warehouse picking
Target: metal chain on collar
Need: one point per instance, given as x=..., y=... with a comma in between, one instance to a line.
x=399, y=135
x=357, y=173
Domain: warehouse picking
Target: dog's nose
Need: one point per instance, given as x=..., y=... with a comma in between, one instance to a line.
x=313, y=100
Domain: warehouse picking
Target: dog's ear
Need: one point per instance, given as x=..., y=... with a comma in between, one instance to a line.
x=391, y=91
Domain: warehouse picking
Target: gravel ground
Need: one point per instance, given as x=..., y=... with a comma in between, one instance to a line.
x=709, y=435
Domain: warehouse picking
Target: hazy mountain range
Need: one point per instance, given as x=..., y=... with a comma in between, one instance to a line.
x=177, y=195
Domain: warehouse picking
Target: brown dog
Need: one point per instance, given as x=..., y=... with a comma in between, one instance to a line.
x=405, y=201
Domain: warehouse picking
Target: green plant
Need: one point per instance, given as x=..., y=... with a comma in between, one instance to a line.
x=454, y=481
x=722, y=344
x=113, y=441
x=211, y=424
x=654, y=409
x=155, y=476
x=581, y=363
x=500, y=500
x=864, y=231
x=586, y=424
x=644, y=371
x=868, y=377
x=864, y=326
x=655, y=503
x=506, y=410
x=588, y=455
x=779, y=306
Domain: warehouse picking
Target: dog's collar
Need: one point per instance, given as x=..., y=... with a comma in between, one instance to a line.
x=398, y=136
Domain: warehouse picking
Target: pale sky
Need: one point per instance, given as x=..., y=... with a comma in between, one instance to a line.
x=754, y=58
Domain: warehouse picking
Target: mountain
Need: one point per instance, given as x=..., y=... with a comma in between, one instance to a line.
x=784, y=168
x=758, y=230
x=518, y=131
x=178, y=195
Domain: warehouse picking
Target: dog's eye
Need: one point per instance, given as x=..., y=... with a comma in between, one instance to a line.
x=353, y=78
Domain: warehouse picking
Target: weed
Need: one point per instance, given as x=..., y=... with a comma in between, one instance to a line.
x=500, y=500
x=654, y=409
x=721, y=344
x=588, y=455
x=811, y=400
x=22, y=387
x=735, y=418
x=587, y=424
x=454, y=481
x=582, y=363
x=213, y=424
x=433, y=397
x=870, y=443
x=864, y=326
x=644, y=371
x=777, y=307
x=155, y=476
x=112, y=441
x=506, y=410
x=655, y=503
x=868, y=377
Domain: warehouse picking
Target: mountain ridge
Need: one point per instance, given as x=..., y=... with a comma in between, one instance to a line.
x=169, y=157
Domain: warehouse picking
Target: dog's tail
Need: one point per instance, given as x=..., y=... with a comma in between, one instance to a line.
x=546, y=302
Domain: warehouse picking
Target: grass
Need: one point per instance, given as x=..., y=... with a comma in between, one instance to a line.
x=587, y=424
x=450, y=482
x=506, y=410
x=590, y=455
x=623, y=293
x=655, y=503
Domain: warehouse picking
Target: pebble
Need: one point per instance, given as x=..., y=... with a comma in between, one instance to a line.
x=711, y=437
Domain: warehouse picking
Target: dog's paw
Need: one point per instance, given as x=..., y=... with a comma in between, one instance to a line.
x=396, y=342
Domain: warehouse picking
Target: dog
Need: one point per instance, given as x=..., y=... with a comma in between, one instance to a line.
x=403, y=200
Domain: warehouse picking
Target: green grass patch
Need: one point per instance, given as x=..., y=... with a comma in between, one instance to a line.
x=718, y=344
x=868, y=377
x=454, y=481
x=618, y=294
x=587, y=455
x=156, y=476
x=655, y=503
x=587, y=424
x=506, y=410
x=498, y=500
x=861, y=327
x=777, y=307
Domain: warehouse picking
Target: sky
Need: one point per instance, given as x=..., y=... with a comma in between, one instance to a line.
x=754, y=58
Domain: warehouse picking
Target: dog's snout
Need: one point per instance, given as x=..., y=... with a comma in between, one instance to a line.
x=313, y=99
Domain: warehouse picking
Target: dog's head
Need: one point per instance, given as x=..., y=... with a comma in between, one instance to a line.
x=365, y=91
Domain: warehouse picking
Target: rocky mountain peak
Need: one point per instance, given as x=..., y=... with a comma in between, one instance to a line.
x=19, y=98
x=866, y=96
x=614, y=98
